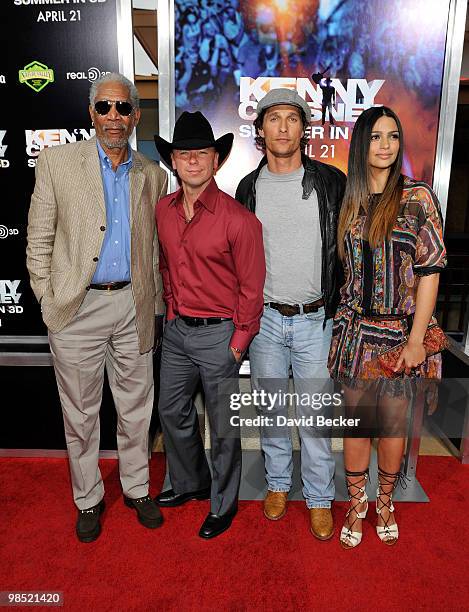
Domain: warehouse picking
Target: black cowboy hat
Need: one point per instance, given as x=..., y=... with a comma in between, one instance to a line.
x=193, y=131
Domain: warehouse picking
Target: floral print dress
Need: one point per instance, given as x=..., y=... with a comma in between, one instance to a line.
x=383, y=281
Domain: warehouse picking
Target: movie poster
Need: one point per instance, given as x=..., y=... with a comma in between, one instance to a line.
x=342, y=56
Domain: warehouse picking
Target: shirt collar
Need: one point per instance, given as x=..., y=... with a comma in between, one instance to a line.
x=208, y=197
x=105, y=159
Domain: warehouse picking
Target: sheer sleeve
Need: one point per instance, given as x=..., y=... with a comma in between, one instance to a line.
x=430, y=255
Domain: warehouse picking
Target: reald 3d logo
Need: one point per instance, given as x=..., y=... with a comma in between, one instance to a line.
x=36, y=76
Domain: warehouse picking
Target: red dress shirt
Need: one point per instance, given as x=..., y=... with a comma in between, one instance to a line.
x=213, y=266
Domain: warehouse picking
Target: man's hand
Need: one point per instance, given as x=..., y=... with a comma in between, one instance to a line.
x=159, y=320
x=238, y=355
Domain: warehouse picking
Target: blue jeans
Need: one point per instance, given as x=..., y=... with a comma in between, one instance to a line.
x=302, y=343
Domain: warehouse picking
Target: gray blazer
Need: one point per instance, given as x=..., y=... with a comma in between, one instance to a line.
x=65, y=234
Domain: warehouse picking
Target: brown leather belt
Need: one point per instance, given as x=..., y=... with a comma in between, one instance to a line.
x=109, y=286
x=290, y=310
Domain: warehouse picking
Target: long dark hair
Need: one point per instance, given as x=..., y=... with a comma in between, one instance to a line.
x=357, y=190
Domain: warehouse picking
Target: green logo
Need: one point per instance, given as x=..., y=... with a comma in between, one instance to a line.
x=36, y=76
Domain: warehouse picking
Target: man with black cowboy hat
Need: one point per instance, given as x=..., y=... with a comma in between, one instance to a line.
x=213, y=269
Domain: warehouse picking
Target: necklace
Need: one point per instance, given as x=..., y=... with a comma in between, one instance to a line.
x=186, y=209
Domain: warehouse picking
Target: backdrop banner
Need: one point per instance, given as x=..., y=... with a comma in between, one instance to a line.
x=55, y=50
x=342, y=56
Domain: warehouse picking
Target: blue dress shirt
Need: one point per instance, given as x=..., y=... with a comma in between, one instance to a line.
x=114, y=261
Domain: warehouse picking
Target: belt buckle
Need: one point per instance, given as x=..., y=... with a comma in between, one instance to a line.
x=287, y=310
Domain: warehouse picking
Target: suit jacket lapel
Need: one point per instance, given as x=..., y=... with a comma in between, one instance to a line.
x=93, y=171
x=136, y=183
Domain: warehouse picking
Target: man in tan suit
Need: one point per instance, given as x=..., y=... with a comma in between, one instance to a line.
x=92, y=257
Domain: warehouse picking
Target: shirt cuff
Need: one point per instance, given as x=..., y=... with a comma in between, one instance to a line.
x=240, y=339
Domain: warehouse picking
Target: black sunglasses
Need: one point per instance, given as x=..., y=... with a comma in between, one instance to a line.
x=102, y=107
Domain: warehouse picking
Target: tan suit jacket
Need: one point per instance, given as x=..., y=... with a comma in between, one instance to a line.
x=66, y=226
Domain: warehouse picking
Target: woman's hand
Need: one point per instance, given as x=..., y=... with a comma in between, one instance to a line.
x=413, y=354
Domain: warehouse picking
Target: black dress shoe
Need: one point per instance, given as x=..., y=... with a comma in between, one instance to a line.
x=171, y=499
x=215, y=524
x=148, y=513
x=88, y=526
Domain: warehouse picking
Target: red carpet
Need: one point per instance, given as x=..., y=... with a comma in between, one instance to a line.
x=256, y=565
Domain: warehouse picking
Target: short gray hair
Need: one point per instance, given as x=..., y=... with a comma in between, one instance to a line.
x=115, y=77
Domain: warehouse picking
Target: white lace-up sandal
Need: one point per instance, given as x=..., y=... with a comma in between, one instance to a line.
x=348, y=537
x=387, y=533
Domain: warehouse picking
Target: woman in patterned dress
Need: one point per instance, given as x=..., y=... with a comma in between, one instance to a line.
x=390, y=240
